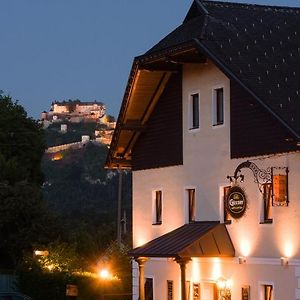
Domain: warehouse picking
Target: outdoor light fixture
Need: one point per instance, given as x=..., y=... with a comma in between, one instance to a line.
x=284, y=261
x=242, y=260
x=224, y=289
x=104, y=274
x=41, y=252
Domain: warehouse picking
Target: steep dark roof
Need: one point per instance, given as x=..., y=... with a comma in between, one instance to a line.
x=194, y=239
x=258, y=45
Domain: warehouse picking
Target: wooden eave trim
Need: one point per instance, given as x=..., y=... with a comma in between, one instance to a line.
x=157, y=93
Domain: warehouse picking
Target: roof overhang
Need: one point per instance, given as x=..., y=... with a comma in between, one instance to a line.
x=148, y=79
x=199, y=239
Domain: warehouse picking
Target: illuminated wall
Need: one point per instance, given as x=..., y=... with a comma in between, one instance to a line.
x=206, y=164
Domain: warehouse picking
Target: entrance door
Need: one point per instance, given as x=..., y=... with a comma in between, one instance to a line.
x=209, y=291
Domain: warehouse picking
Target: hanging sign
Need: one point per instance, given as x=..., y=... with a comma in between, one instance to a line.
x=279, y=190
x=236, y=202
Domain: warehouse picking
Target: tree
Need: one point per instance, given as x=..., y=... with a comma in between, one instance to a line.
x=24, y=220
x=21, y=144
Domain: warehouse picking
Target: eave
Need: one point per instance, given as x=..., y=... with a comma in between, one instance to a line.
x=147, y=81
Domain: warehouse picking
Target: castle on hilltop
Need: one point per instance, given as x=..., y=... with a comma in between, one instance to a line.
x=74, y=111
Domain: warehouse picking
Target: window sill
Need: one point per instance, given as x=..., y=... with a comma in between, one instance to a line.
x=267, y=221
x=158, y=223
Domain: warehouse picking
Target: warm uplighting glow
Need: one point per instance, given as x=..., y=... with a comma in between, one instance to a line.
x=195, y=270
x=139, y=242
x=288, y=250
x=245, y=248
x=216, y=269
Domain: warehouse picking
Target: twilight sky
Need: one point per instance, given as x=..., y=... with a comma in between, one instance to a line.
x=68, y=49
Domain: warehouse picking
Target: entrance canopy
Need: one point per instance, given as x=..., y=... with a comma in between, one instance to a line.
x=198, y=239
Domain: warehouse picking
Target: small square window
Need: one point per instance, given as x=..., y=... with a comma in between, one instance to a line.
x=194, y=111
x=157, y=208
x=218, y=107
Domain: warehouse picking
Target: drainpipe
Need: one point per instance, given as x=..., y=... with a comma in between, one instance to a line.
x=119, y=229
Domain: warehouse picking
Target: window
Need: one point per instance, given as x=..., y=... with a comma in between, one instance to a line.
x=218, y=107
x=148, y=288
x=157, y=208
x=227, y=217
x=196, y=291
x=191, y=205
x=267, y=203
x=194, y=111
x=267, y=291
x=170, y=290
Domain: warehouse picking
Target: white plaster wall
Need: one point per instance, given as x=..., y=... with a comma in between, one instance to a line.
x=206, y=163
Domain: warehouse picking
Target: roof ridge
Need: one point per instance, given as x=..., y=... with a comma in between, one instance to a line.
x=251, y=5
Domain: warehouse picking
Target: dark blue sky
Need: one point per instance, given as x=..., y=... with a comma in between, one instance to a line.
x=67, y=49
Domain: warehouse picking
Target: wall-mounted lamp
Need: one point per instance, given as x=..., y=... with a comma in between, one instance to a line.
x=242, y=260
x=284, y=261
x=224, y=289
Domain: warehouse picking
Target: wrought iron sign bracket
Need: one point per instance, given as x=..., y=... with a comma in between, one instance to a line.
x=260, y=176
x=266, y=176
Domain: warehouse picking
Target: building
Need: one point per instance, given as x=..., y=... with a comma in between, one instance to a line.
x=210, y=126
x=74, y=111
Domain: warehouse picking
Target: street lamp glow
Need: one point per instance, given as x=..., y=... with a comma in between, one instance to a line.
x=104, y=274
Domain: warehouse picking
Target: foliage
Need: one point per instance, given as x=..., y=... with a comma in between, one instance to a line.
x=84, y=194
x=21, y=144
x=120, y=263
x=75, y=131
x=24, y=219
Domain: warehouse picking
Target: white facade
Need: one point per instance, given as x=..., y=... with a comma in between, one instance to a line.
x=206, y=164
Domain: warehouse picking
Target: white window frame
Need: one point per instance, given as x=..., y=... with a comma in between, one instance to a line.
x=186, y=203
x=190, y=111
x=221, y=204
x=214, y=106
x=154, y=220
x=261, y=289
x=153, y=283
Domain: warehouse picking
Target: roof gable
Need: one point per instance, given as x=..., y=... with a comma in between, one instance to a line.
x=260, y=45
x=256, y=46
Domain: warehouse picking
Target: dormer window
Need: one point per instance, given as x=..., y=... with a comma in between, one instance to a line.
x=218, y=106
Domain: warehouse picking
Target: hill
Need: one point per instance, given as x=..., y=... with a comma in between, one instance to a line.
x=84, y=195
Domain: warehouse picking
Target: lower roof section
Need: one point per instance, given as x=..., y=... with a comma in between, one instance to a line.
x=197, y=239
